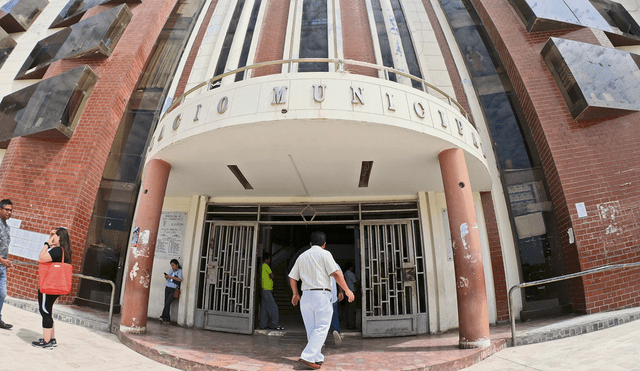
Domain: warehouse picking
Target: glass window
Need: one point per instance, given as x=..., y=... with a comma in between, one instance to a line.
x=228, y=39
x=314, y=35
x=244, y=55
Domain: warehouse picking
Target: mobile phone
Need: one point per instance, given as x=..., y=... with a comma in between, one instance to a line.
x=165, y=274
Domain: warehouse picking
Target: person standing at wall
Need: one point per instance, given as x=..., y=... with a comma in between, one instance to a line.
x=269, y=308
x=6, y=210
x=350, y=278
x=174, y=280
x=313, y=268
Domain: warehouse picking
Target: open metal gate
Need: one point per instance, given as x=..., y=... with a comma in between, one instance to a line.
x=230, y=276
x=389, y=299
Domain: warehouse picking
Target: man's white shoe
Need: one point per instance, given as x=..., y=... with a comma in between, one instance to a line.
x=337, y=338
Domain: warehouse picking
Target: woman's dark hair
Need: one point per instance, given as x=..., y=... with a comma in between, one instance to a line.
x=65, y=243
x=175, y=261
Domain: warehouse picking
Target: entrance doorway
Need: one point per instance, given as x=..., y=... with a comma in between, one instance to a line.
x=285, y=243
x=382, y=240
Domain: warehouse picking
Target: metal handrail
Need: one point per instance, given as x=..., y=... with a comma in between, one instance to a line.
x=113, y=287
x=339, y=68
x=556, y=279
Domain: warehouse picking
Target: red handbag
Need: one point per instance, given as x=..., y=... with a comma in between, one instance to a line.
x=55, y=278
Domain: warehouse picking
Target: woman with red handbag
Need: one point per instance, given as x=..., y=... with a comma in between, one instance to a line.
x=56, y=249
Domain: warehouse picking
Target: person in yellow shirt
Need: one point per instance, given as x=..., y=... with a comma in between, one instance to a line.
x=269, y=308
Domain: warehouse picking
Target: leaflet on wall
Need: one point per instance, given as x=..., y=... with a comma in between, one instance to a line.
x=171, y=234
x=25, y=244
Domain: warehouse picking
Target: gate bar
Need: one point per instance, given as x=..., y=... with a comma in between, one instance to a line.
x=556, y=279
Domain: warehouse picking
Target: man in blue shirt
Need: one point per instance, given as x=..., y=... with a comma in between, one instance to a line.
x=6, y=210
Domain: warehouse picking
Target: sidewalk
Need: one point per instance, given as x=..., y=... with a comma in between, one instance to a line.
x=195, y=349
x=79, y=348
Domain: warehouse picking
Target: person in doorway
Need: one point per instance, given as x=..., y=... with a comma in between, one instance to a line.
x=269, y=308
x=337, y=294
x=350, y=279
x=314, y=268
x=6, y=210
x=174, y=280
x=57, y=247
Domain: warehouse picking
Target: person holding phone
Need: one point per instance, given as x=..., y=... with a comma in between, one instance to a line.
x=174, y=279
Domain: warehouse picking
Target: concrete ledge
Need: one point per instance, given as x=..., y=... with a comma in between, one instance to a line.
x=579, y=325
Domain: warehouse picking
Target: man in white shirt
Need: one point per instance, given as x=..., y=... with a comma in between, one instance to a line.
x=315, y=267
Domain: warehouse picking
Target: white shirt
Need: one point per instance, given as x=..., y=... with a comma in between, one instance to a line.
x=314, y=268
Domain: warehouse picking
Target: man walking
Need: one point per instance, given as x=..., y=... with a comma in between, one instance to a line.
x=269, y=308
x=314, y=267
x=6, y=209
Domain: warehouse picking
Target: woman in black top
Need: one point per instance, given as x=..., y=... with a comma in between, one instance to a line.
x=52, y=251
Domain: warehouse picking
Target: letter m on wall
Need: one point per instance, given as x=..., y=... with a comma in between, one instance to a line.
x=279, y=96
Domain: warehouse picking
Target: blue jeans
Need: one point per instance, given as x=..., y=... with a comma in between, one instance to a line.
x=3, y=287
x=335, y=320
x=168, y=299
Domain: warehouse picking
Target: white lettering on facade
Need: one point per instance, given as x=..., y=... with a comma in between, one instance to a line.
x=196, y=118
x=419, y=108
x=357, y=95
x=443, y=122
x=223, y=104
x=177, y=122
x=318, y=93
x=392, y=107
x=460, y=127
x=279, y=95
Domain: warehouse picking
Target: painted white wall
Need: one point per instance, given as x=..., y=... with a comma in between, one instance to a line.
x=161, y=265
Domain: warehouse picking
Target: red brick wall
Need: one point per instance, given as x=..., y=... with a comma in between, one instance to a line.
x=356, y=36
x=592, y=162
x=54, y=182
x=497, y=259
x=272, y=35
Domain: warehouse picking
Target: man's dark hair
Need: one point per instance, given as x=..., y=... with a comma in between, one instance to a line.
x=5, y=202
x=318, y=238
x=265, y=256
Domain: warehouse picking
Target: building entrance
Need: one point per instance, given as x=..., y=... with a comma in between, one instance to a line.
x=382, y=241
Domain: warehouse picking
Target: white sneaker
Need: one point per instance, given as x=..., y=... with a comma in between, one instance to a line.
x=337, y=338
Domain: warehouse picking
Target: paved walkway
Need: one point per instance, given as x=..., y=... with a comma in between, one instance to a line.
x=79, y=348
x=595, y=342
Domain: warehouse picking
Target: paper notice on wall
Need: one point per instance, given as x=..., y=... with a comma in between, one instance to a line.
x=171, y=232
x=25, y=244
x=530, y=225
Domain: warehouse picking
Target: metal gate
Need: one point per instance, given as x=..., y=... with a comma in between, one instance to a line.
x=389, y=302
x=230, y=278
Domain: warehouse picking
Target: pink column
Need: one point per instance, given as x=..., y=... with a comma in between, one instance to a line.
x=142, y=248
x=473, y=314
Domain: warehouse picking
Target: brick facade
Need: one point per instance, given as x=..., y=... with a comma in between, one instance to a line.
x=356, y=34
x=55, y=182
x=272, y=37
x=591, y=162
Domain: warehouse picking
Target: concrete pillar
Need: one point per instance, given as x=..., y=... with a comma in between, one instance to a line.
x=473, y=314
x=143, y=247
